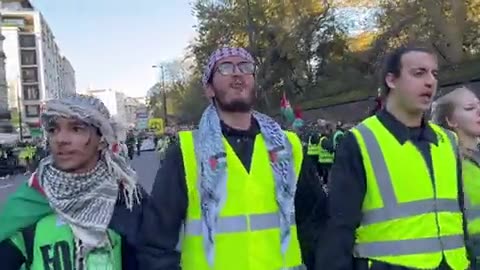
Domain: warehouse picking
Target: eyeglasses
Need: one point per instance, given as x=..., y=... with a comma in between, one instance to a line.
x=228, y=68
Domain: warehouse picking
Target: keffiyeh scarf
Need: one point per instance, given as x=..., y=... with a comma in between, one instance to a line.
x=86, y=201
x=209, y=147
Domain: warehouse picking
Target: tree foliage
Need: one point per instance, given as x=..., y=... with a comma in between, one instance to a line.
x=451, y=27
x=184, y=93
x=309, y=49
x=293, y=41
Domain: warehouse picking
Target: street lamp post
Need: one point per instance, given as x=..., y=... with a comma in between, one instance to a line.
x=164, y=92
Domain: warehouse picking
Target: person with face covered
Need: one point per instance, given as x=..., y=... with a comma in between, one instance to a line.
x=459, y=111
x=395, y=192
x=80, y=209
x=237, y=190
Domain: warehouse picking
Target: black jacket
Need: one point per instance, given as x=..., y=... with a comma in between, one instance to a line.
x=347, y=188
x=168, y=205
x=124, y=222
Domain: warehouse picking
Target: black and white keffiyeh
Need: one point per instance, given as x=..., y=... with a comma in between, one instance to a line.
x=86, y=201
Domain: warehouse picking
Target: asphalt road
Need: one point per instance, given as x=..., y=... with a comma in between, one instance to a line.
x=146, y=166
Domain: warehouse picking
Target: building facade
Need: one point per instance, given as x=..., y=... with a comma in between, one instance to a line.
x=5, y=124
x=131, y=106
x=35, y=69
x=67, y=75
x=3, y=80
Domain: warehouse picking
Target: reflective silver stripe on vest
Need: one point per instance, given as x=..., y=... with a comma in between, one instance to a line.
x=234, y=224
x=409, y=209
x=472, y=212
x=393, y=209
x=407, y=247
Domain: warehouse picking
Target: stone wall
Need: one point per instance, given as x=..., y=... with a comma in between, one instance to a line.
x=474, y=85
x=355, y=111
x=346, y=112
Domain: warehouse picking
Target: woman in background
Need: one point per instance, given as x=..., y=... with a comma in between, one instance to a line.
x=459, y=111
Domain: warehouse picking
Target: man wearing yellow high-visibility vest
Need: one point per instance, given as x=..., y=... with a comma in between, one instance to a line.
x=236, y=193
x=313, y=146
x=395, y=190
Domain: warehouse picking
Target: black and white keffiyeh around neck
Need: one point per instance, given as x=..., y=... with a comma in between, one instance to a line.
x=213, y=179
x=86, y=201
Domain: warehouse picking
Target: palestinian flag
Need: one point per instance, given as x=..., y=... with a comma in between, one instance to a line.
x=286, y=109
x=298, y=122
x=23, y=208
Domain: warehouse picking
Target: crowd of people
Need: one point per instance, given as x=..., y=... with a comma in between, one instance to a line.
x=394, y=192
x=20, y=157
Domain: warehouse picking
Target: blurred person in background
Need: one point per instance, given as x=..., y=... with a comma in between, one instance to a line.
x=459, y=111
x=326, y=152
x=130, y=142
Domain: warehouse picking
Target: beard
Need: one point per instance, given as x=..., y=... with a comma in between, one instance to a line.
x=236, y=105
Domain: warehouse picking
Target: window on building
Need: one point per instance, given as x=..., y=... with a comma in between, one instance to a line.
x=27, y=41
x=32, y=110
x=29, y=74
x=29, y=57
x=31, y=92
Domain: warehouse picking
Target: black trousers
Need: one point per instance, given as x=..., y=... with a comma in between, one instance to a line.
x=323, y=170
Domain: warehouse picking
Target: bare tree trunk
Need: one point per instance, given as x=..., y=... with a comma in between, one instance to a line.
x=250, y=27
x=451, y=30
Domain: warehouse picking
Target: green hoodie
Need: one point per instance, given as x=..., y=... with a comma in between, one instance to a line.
x=23, y=208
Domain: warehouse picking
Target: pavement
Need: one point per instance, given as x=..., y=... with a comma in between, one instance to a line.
x=146, y=166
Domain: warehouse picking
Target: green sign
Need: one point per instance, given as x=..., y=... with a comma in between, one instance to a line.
x=36, y=132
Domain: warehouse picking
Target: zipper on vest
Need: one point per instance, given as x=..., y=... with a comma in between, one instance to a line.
x=435, y=207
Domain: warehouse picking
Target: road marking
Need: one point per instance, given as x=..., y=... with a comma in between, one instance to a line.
x=5, y=186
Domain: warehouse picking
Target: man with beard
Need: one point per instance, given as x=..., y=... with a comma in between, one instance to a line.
x=237, y=189
x=80, y=209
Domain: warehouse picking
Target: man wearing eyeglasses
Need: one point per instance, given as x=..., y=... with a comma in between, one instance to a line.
x=236, y=193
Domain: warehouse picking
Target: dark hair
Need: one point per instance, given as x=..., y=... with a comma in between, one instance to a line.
x=393, y=63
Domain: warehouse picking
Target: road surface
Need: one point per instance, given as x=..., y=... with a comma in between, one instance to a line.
x=146, y=166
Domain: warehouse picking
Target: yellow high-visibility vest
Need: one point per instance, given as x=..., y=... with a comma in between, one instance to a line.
x=325, y=156
x=313, y=149
x=248, y=234
x=406, y=220
x=471, y=182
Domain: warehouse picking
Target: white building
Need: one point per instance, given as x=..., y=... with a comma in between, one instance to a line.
x=131, y=106
x=114, y=101
x=68, y=83
x=35, y=69
x=3, y=80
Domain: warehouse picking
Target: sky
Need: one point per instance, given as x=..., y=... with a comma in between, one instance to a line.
x=114, y=43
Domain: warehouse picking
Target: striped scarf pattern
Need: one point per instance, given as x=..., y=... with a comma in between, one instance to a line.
x=213, y=181
x=85, y=201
